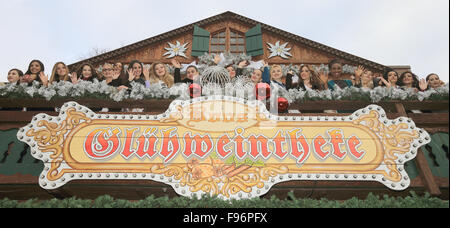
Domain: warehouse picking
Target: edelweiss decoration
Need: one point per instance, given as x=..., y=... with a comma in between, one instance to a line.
x=176, y=50
x=224, y=146
x=279, y=50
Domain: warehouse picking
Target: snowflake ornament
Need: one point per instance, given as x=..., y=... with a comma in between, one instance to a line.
x=176, y=50
x=279, y=50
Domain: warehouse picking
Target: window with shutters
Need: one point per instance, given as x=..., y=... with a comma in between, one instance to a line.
x=227, y=40
x=237, y=42
x=218, y=42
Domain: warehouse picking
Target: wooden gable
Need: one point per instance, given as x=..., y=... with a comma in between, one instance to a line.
x=303, y=51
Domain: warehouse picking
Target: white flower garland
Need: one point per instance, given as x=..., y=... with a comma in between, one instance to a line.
x=239, y=88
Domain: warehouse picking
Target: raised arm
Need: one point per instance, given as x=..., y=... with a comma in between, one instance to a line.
x=240, y=69
x=357, y=79
x=323, y=76
x=289, y=76
x=266, y=73
x=177, y=74
x=44, y=78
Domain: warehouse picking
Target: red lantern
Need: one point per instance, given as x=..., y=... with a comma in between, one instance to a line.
x=262, y=91
x=195, y=90
x=283, y=105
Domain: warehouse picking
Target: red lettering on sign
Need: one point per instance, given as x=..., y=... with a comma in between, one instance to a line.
x=129, y=138
x=336, y=141
x=103, y=143
x=223, y=141
x=170, y=145
x=97, y=146
x=279, y=140
x=318, y=143
x=240, y=153
x=147, y=143
x=200, y=141
x=302, y=153
x=353, y=143
x=259, y=147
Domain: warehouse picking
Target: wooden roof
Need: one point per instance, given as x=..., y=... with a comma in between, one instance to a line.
x=235, y=17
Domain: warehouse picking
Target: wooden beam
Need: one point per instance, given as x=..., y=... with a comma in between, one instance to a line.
x=401, y=109
x=426, y=174
x=421, y=162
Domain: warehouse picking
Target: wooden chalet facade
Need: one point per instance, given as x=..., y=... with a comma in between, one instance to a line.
x=20, y=172
x=230, y=32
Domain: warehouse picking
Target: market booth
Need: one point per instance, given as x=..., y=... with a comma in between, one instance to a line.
x=231, y=144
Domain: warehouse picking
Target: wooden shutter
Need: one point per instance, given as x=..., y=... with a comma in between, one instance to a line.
x=254, y=42
x=200, y=42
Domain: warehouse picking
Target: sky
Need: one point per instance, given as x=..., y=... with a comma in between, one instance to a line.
x=389, y=32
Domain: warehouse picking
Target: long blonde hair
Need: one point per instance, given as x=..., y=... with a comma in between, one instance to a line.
x=167, y=78
x=367, y=84
x=53, y=77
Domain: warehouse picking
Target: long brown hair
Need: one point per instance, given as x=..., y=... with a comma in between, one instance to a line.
x=415, y=83
x=93, y=72
x=316, y=83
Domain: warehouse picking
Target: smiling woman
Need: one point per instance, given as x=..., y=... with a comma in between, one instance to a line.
x=60, y=72
x=416, y=17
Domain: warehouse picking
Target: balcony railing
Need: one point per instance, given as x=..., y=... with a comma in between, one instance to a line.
x=19, y=171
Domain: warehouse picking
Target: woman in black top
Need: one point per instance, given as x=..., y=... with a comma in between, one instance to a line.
x=108, y=76
x=135, y=73
x=308, y=79
x=192, y=73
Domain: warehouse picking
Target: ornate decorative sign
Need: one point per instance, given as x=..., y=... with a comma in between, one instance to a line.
x=222, y=146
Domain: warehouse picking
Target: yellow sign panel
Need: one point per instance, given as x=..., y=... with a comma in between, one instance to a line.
x=222, y=146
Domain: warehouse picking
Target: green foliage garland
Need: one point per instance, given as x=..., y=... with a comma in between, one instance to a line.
x=372, y=201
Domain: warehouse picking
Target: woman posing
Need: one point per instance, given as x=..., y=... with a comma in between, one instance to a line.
x=109, y=78
x=333, y=78
x=273, y=76
x=35, y=72
x=159, y=74
x=432, y=81
x=60, y=73
x=408, y=80
x=192, y=74
x=389, y=79
x=256, y=76
x=14, y=76
x=135, y=73
x=85, y=73
x=308, y=79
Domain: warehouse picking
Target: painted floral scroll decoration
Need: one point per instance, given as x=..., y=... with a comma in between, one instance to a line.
x=396, y=138
x=279, y=50
x=175, y=50
x=216, y=177
x=51, y=138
